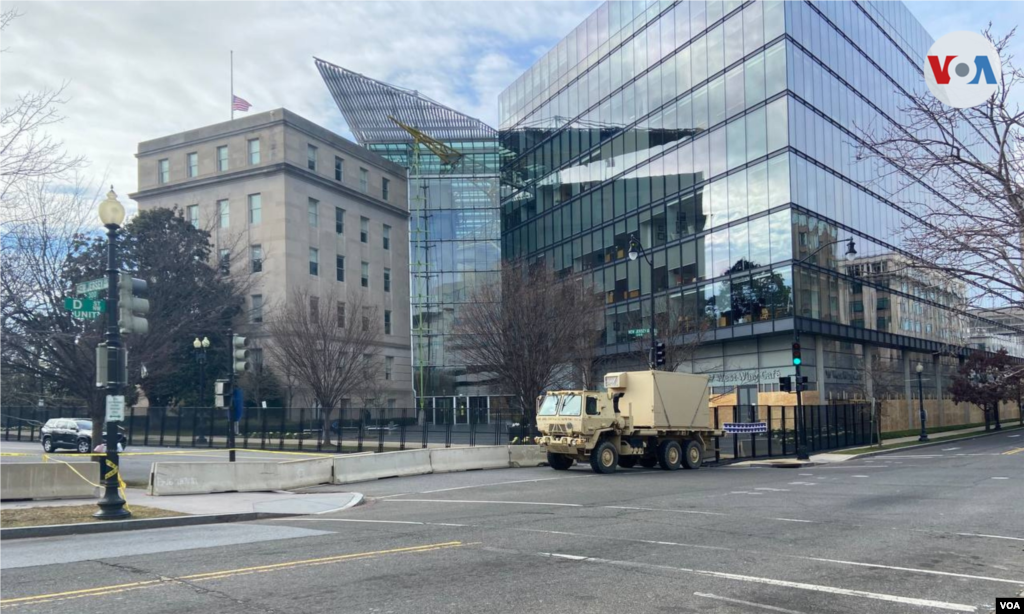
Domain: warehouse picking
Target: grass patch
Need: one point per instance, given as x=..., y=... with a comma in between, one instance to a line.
x=896, y=446
x=69, y=514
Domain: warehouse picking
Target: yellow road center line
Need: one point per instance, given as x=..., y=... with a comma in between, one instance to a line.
x=1014, y=451
x=216, y=575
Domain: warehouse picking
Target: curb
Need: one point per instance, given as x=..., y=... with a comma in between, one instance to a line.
x=941, y=442
x=111, y=526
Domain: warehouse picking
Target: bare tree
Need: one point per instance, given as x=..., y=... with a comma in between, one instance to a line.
x=326, y=345
x=28, y=153
x=960, y=173
x=527, y=330
x=41, y=341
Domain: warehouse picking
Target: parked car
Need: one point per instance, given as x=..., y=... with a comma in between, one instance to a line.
x=74, y=433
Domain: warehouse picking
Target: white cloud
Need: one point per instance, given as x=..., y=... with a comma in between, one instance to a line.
x=141, y=70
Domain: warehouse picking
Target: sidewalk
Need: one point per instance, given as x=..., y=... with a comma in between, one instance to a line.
x=280, y=502
x=944, y=434
x=888, y=444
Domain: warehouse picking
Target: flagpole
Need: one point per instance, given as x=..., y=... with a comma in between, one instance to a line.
x=232, y=84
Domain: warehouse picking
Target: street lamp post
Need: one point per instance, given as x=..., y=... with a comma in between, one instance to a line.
x=199, y=350
x=111, y=505
x=920, y=397
x=635, y=250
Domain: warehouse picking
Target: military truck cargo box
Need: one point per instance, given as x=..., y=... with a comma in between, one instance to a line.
x=662, y=400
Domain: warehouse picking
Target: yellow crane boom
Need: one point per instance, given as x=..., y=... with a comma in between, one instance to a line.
x=449, y=156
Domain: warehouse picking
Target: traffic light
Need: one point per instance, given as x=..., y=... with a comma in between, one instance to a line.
x=659, y=354
x=796, y=354
x=801, y=382
x=131, y=306
x=785, y=384
x=240, y=354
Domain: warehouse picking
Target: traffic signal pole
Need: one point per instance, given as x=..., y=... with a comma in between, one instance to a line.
x=231, y=399
x=801, y=446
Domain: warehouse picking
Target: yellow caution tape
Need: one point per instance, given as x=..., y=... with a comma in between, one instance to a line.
x=113, y=470
x=121, y=486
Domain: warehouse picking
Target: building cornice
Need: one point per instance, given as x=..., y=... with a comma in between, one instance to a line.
x=286, y=168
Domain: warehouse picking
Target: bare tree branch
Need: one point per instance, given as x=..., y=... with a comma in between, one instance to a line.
x=959, y=175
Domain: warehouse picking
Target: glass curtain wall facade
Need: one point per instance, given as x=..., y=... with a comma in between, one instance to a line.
x=454, y=227
x=721, y=135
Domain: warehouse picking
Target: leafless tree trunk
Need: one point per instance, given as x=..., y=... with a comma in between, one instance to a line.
x=528, y=330
x=960, y=173
x=326, y=354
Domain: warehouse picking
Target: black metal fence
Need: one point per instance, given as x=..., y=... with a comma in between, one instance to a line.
x=298, y=429
x=828, y=427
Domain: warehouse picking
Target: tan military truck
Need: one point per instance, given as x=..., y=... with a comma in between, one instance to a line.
x=646, y=417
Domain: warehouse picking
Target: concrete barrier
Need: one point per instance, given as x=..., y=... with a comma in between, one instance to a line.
x=527, y=456
x=173, y=478
x=463, y=459
x=46, y=481
x=363, y=467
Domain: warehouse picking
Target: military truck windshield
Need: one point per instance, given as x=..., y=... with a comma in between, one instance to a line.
x=548, y=406
x=572, y=406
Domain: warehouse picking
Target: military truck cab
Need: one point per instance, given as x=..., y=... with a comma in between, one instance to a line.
x=643, y=417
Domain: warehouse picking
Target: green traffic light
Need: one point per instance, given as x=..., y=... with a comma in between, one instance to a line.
x=796, y=361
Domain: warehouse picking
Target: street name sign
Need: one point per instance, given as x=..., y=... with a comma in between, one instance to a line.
x=91, y=287
x=745, y=427
x=85, y=308
x=115, y=408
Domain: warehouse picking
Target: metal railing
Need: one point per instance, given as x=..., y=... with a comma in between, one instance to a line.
x=298, y=429
x=828, y=427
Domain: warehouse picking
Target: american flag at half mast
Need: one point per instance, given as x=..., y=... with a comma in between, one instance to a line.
x=239, y=104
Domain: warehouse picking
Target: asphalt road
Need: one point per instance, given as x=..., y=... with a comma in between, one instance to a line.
x=937, y=529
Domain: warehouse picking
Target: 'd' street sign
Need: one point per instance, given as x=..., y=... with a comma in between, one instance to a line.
x=91, y=287
x=85, y=308
x=85, y=304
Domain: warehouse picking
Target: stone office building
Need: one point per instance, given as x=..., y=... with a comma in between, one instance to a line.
x=308, y=209
x=720, y=134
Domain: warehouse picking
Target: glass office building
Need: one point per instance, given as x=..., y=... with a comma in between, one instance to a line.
x=454, y=229
x=723, y=136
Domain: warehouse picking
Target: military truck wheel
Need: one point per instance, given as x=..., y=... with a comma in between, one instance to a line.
x=693, y=456
x=648, y=462
x=559, y=462
x=604, y=458
x=670, y=455
x=627, y=462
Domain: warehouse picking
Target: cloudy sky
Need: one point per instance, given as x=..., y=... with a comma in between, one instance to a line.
x=139, y=70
